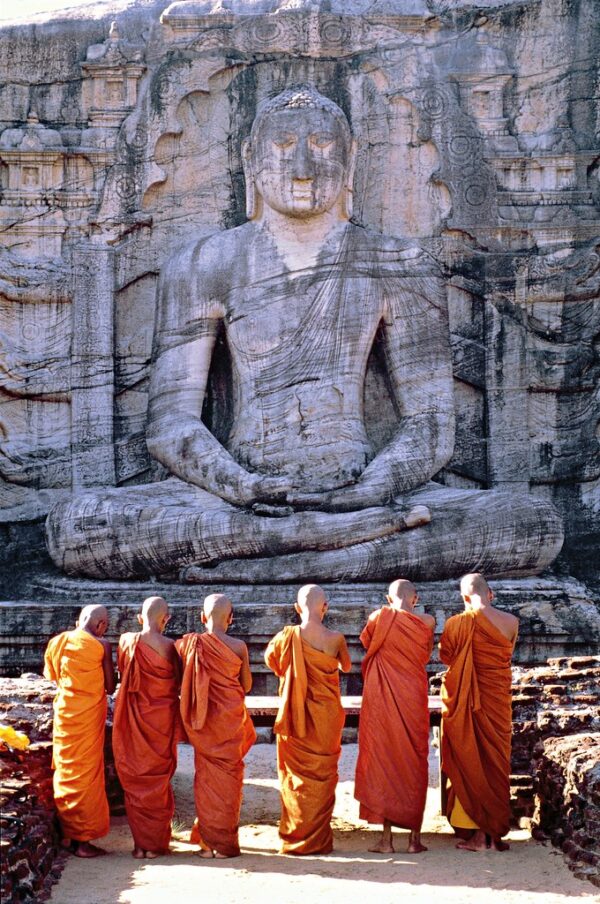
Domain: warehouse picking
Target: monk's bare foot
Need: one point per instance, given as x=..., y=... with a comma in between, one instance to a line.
x=138, y=853
x=382, y=848
x=465, y=834
x=86, y=850
x=477, y=842
x=218, y=856
x=152, y=855
x=415, y=847
x=417, y=516
x=498, y=845
x=205, y=853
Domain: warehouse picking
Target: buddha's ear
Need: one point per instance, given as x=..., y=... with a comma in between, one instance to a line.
x=349, y=182
x=252, y=200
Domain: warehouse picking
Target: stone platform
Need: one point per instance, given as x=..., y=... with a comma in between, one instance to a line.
x=558, y=615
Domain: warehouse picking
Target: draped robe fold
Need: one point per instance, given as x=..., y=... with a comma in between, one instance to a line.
x=221, y=732
x=74, y=661
x=145, y=733
x=393, y=737
x=309, y=731
x=476, y=721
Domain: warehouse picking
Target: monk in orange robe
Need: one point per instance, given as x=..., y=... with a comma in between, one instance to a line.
x=147, y=727
x=80, y=662
x=216, y=676
x=307, y=659
x=392, y=768
x=477, y=646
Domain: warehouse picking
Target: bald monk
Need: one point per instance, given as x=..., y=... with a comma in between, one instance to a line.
x=80, y=662
x=307, y=659
x=216, y=676
x=392, y=769
x=147, y=727
x=477, y=646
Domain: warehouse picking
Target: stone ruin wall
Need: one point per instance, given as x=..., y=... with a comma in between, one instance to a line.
x=555, y=780
x=477, y=128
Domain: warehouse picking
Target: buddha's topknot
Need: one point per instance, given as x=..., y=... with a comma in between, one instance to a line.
x=301, y=97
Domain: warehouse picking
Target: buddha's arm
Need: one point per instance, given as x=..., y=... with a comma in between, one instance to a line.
x=176, y=435
x=417, y=353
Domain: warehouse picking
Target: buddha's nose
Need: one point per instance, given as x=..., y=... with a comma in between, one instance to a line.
x=302, y=164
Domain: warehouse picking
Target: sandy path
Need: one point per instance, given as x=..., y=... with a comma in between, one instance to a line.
x=530, y=873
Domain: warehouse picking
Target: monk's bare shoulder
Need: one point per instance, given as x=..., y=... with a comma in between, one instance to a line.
x=238, y=646
x=505, y=622
x=428, y=620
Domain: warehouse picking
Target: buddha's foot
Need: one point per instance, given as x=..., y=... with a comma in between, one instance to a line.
x=417, y=516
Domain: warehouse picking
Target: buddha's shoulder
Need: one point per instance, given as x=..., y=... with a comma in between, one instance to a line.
x=403, y=255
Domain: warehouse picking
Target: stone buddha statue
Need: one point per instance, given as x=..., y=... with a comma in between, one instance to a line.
x=296, y=492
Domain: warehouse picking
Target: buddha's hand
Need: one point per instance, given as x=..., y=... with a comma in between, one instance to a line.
x=350, y=498
x=268, y=492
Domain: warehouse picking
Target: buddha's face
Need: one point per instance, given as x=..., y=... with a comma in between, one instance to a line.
x=299, y=161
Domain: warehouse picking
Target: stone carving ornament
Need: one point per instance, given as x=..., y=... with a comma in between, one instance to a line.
x=301, y=294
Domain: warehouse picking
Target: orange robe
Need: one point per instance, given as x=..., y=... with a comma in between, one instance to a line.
x=476, y=720
x=219, y=728
x=393, y=737
x=309, y=733
x=74, y=661
x=145, y=733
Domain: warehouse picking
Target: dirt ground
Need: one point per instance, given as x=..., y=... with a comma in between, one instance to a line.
x=530, y=873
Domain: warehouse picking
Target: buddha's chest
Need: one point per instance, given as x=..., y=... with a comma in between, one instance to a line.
x=301, y=320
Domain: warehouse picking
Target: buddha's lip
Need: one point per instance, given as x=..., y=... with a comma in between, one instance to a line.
x=304, y=192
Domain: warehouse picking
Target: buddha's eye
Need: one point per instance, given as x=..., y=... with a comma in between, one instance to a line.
x=322, y=140
x=284, y=141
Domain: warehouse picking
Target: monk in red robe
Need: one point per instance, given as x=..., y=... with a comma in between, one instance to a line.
x=216, y=677
x=307, y=660
x=147, y=728
x=392, y=769
x=477, y=646
x=80, y=662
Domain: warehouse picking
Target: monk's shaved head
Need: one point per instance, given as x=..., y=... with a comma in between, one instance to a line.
x=218, y=607
x=93, y=619
x=153, y=609
x=402, y=590
x=311, y=597
x=474, y=585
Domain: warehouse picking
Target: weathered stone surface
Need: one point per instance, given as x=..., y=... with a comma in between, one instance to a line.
x=475, y=129
x=568, y=800
x=301, y=297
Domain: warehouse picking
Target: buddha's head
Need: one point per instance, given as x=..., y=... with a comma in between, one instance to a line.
x=299, y=158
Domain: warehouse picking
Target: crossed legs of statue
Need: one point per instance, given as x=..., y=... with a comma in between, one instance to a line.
x=171, y=527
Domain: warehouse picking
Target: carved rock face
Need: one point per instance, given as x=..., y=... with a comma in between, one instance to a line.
x=299, y=159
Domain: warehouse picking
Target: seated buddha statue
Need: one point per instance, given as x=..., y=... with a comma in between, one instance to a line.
x=295, y=491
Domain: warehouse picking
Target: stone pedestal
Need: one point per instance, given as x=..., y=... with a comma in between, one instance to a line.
x=558, y=616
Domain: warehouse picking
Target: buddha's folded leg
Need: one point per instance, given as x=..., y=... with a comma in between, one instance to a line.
x=159, y=528
x=491, y=531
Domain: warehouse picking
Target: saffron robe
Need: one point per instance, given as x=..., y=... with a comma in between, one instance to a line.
x=74, y=661
x=476, y=720
x=146, y=729
x=309, y=733
x=393, y=736
x=218, y=726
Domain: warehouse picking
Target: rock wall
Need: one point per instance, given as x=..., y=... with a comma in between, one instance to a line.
x=555, y=701
x=568, y=801
x=477, y=131
x=32, y=858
